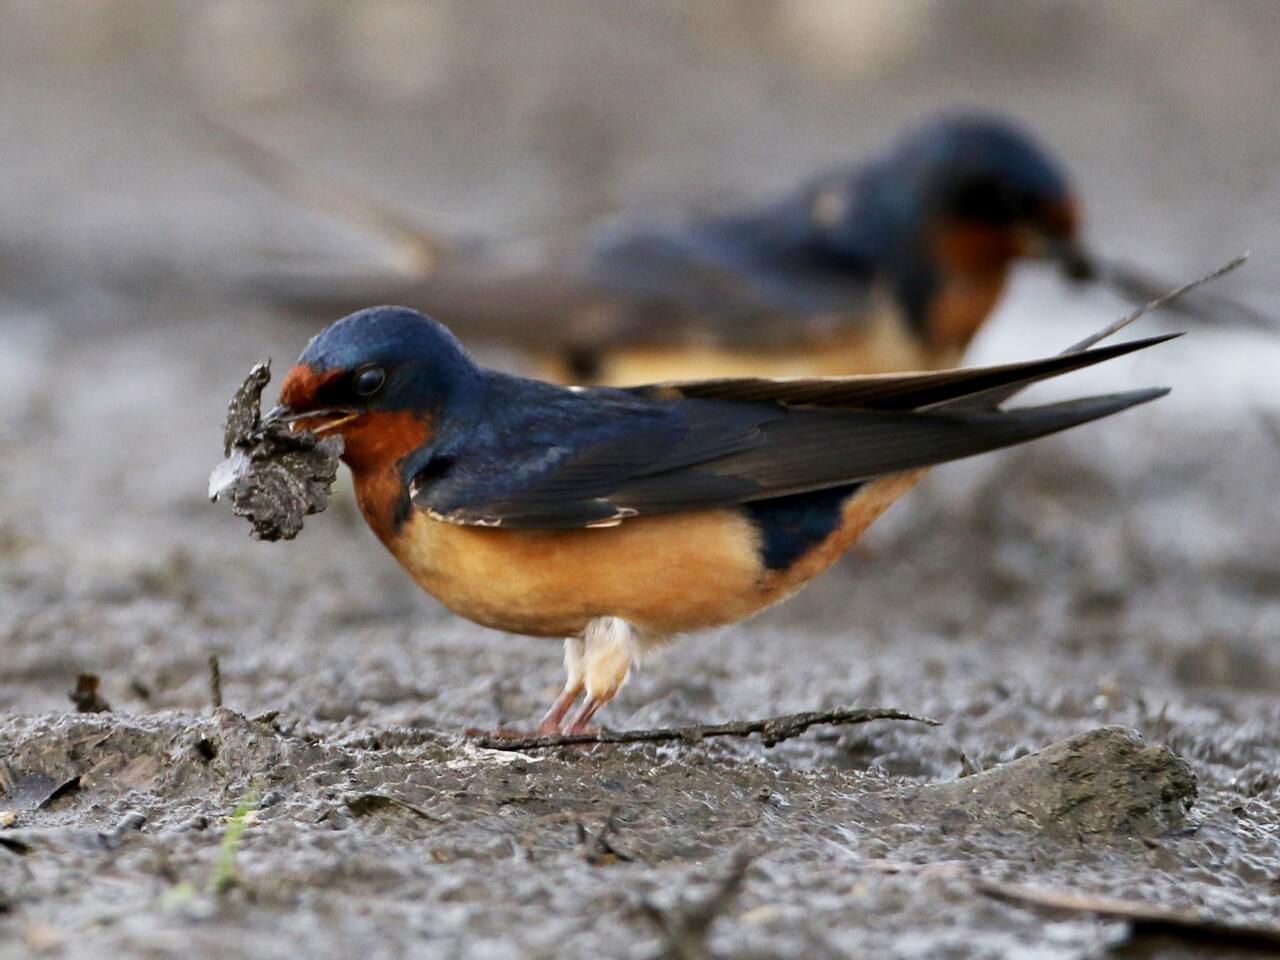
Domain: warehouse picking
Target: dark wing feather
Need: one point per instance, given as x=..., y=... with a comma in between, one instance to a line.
x=597, y=457
x=813, y=450
x=550, y=456
x=892, y=391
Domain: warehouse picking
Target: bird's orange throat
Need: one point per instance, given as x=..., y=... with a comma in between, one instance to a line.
x=381, y=439
x=977, y=249
x=383, y=501
x=376, y=445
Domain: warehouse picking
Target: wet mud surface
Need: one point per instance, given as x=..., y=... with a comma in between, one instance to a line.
x=443, y=844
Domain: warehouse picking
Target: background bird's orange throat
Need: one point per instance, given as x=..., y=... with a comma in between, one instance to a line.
x=974, y=260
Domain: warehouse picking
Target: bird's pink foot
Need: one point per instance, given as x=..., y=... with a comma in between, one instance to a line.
x=553, y=720
x=581, y=722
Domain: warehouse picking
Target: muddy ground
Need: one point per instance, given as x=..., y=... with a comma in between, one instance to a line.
x=1124, y=576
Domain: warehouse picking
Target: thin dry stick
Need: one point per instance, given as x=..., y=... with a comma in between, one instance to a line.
x=1142, y=917
x=1146, y=308
x=685, y=930
x=215, y=681
x=989, y=399
x=418, y=250
x=771, y=729
x=1140, y=286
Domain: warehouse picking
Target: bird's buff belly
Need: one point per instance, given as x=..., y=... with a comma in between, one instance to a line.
x=665, y=574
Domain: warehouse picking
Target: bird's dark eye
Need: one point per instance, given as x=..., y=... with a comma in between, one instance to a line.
x=368, y=381
x=989, y=202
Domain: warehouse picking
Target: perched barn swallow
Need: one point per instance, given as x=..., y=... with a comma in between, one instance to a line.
x=620, y=518
x=890, y=265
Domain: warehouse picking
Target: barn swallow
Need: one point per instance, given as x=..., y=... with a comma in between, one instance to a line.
x=620, y=518
x=893, y=264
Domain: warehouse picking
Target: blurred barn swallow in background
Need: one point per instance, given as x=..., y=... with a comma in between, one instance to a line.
x=620, y=518
x=890, y=265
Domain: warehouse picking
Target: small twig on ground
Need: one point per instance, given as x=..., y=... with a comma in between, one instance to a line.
x=1144, y=918
x=366, y=804
x=215, y=682
x=596, y=848
x=86, y=697
x=685, y=930
x=772, y=730
x=417, y=250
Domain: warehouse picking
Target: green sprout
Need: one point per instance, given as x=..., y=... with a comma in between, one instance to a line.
x=225, y=876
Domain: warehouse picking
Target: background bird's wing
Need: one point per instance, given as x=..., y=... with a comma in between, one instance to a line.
x=723, y=280
x=740, y=282
x=625, y=283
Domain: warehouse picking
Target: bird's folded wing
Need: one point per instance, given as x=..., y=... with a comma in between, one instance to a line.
x=720, y=454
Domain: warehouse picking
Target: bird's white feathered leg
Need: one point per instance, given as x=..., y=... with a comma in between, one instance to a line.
x=610, y=647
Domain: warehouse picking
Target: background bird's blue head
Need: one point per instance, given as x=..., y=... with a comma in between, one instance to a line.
x=941, y=216
x=380, y=378
x=986, y=182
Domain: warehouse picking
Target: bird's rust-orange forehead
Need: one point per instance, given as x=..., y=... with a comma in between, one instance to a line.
x=302, y=383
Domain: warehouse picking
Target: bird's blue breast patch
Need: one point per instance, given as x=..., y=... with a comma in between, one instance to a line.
x=792, y=526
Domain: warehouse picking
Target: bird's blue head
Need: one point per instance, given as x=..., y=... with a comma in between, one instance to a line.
x=380, y=378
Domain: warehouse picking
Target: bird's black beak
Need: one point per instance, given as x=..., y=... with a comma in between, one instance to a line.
x=280, y=413
x=317, y=421
x=1072, y=259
